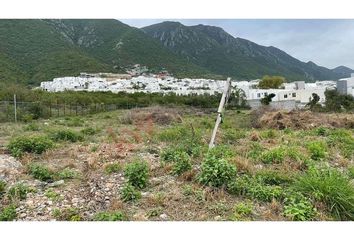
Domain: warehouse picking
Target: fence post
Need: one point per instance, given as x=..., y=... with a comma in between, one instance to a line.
x=15, y=107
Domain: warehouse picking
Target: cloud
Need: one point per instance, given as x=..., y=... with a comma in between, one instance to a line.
x=328, y=42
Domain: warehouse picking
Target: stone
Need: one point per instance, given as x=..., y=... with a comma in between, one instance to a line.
x=56, y=184
x=164, y=216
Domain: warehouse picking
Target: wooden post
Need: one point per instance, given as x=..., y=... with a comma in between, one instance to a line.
x=223, y=102
x=15, y=107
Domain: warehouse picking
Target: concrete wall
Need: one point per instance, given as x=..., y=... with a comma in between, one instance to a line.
x=285, y=105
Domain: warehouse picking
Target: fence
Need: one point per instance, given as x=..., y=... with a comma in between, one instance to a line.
x=26, y=111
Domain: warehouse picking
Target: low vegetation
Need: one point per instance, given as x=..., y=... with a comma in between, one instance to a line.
x=152, y=167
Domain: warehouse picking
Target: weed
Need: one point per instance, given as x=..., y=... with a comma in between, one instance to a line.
x=182, y=164
x=40, y=172
x=68, y=214
x=31, y=127
x=155, y=212
x=67, y=173
x=216, y=172
x=110, y=216
x=30, y=144
x=275, y=155
x=52, y=195
x=330, y=187
x=8, y=213
x=18, y=192
x=221, y=151
x=272, y=177
x=317, y=149
x=66, y=135
x=113, y=168
x=343, y=140
x=299, y=208
x=321, y=131
x=232, y=136
x=129, y=193
x=242, y=210
x=351, y=172
x=2, y=187
x=269, y=134
x=137, y=173
x=255, y=151
x=89, y=131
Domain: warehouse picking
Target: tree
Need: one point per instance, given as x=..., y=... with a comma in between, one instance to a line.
x=267, y=99
x=336, y=102
x=273, y=82
x=313, y=104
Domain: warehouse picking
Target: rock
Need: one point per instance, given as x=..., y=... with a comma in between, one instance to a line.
x=56, y=184
x=23, y=215
x=164, y=216
x=9, y=167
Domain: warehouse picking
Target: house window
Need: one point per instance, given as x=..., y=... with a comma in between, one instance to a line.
x=294, y=94
x=285, y=95
x=265, y=94
x=258, y=95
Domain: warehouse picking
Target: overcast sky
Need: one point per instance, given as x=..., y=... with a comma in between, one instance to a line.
x=328, y=43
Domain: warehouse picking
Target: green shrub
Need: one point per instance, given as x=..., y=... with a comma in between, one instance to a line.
x=351, y=172
x=255, y=151
x=273, y=177
x=216, y=172
x=113, y=168
x=330, y=187
x=2, y=187
x=89, y=131
x=232, y=136
x=8, y=213
x=31, y=127
x=40, y=172
x=68, y=214
x=182, y=164
x=253, y=188
x=137, y=173
x=242, y=210
x=67, y=173
x=18, y=192
x=130, y=193
x=170, y=154
x=221, y=151
x=110, y=216
x=321, y=131
x=29, y=144
x=275, y=155
x=317, y=149
x=299, y=208
x=52, y=195
x=269, y=134
x=343, y=140
x=66, y=135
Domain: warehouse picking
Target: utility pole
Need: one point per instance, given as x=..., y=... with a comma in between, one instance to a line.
x=15, y=107
x=223, y=101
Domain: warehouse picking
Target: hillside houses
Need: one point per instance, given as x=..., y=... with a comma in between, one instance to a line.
x=299, y=92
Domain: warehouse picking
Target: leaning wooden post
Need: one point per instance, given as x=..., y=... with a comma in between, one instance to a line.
x=223, y=102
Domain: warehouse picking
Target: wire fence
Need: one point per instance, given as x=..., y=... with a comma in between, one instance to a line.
x=26, y=111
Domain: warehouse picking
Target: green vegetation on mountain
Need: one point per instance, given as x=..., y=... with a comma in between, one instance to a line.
x=221, y=53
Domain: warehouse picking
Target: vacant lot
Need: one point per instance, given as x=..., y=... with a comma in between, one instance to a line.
x=154, y=164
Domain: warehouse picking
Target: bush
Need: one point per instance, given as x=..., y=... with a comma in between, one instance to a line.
x=67, y=173
x=29, y=144
x=40, y=172
x=18, y=192
x=2, y=187
x=110, y=216
x=31, y=127
x=89, y=131
x=113, y=168
x=269, y=134
x=129, y=193
x=137, y=173
x=242, y=210
x=221, y=151
x=66, y=135
x=253, y=188
x=342, y=139
x=272, y=177
x=299, y=208
x=182, y=163
x=275, y=155
x=330, y=187
x=318, y=150
x=321, y=131
x=216, y=172
x=8, y=213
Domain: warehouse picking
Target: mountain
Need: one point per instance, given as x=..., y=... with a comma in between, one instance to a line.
x=37, y=50
x=32, y=51
x=214, y=49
